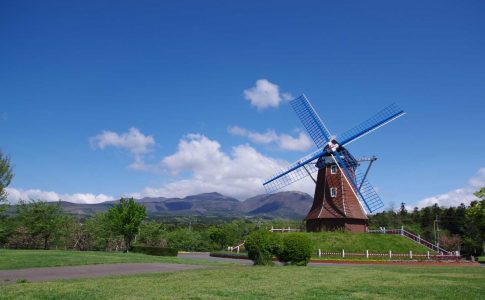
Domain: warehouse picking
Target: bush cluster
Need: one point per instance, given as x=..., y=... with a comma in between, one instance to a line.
x=262, y=245
x=293, y=248
x=158, y=251
x=296, y=250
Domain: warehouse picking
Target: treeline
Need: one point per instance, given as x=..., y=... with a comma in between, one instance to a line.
x=455, y=228
x=42, y=225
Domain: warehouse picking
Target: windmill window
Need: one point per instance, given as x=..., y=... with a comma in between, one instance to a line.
x=334, y=169
x=333, y=192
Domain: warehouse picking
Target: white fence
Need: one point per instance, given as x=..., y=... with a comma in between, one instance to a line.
x=235, y=248
x=289, y=229
x=389, y=255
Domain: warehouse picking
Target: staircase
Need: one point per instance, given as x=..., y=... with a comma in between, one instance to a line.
x=415, y=238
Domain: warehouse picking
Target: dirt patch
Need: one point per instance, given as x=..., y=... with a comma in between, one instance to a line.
x=54, y=273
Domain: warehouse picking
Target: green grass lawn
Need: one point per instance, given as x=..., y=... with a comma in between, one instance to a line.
x=247, y=282
x=481, y=259
x=18, y=259
x=359, y=242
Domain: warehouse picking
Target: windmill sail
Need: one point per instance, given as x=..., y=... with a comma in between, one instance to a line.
x=366, y=194
x=293, y=173
x=311, y=121
x=380, y=119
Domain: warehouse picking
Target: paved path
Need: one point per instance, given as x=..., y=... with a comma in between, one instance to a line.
x=53, y=273
x=206, y=256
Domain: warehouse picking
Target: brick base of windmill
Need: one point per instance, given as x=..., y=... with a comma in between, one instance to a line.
x=335, y=206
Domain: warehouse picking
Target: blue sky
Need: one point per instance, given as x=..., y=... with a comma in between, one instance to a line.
x=142, y=98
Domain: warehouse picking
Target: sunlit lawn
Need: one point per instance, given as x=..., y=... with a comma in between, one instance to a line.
x=248, y=282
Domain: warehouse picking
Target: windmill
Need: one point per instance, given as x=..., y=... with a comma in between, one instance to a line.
x=343, y=195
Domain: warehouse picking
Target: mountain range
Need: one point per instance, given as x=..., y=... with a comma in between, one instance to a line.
x=287, y=205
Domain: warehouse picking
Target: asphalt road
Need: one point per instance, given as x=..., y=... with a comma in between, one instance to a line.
x=54, y=273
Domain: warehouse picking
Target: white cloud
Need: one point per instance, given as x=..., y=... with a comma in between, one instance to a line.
x=456, y=197
x=300, y=143
x=238, y=174
x=199, y=165
x=133, y=141
x=265, y=94
x=284, y=141
x=15, y=195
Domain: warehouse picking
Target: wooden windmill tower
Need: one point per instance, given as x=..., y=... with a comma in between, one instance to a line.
x=343, y=195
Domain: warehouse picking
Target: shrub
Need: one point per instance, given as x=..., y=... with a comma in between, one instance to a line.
x=296, y=249
x=158, y=251
x=262, y=245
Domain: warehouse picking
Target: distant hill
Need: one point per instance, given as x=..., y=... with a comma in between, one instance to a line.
x=292, y=205
x=287, y=205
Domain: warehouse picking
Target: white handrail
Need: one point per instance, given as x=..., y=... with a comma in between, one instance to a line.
x=416, y=238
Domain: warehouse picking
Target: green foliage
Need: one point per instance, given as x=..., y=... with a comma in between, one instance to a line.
x=41, y=221
x=297, y=249
x=157, y=251
x=188, y=240
x=101, y=235
x=6, y=176
x=475, y=237
x=230, y=234
x=262, y=245
x=7, y=228
x=480, y=194
x=227, y=254
x=125, y=219
x=151, y=233
x=461, y=228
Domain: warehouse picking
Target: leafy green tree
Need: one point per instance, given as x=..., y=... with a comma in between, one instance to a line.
x=217, y=236
x=480, y=194
x=102, y=237
x=151, y=234
x=475, y=233
x=41, y=219
x=6, y=176
x=125, y=219
x=188, y=240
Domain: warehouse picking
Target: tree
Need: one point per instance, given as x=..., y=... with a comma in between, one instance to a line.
x=41, y=219
x=6, y=176
x=151, y=234
x=102, y=237
x=480, y=194
x=475, y=231
x=125, y=219
x=188, y=240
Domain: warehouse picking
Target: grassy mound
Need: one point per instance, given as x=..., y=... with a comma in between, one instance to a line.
x=359, y=242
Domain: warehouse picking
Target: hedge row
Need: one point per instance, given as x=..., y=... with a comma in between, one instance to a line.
x=158, y=251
